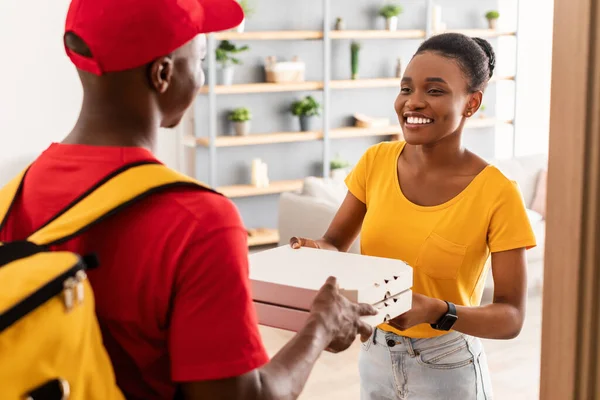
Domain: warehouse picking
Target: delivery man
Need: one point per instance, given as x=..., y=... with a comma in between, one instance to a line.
x=172, y=293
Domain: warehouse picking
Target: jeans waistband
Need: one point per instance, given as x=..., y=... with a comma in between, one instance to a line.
x=412, y=345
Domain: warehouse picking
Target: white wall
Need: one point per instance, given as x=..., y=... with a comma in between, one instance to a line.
x=535, y=76
x=535, y=27
x=41, y=95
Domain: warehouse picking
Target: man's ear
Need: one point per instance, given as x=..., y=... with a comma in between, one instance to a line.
x=161, y=72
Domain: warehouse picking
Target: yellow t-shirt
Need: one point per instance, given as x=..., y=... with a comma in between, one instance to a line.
x=447, y=245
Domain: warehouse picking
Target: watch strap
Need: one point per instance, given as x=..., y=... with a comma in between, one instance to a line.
x=447, y=320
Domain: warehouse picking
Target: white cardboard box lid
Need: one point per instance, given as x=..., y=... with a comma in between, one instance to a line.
x=293, y=320
x=292, y=277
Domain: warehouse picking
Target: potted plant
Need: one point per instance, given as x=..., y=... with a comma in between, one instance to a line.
x=390, y=12
x=338, y=168
x=227, y=61
x=339, y=24
x=306, y=109
x=354, y=50
x=492, y=18
x=241, y=120
x=248, y=12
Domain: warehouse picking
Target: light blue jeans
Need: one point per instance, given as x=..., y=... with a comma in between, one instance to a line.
x=449, y=367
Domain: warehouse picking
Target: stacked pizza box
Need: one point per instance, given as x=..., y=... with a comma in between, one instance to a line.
x=285, y=282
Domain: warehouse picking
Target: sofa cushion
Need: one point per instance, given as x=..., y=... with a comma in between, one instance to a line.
x=534, y=216
x=525, y=171
x=327, y=190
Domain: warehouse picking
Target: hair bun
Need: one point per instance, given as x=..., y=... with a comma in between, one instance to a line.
x=489, y=52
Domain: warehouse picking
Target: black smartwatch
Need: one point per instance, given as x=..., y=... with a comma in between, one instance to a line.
x=446, y=322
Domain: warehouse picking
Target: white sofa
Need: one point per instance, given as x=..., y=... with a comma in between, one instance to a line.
x=309, y=212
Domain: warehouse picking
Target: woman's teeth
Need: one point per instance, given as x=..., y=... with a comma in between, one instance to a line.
x=415, y=120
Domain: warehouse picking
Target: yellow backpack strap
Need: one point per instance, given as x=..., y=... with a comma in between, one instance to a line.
x=115, y=192
x=8, y=195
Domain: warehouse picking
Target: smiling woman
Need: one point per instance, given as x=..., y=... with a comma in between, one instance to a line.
x=449, y=73
x=430, y=202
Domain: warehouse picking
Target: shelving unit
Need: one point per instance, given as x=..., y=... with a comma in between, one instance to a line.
x=236, y=191
x=482, y=33
x=264, y=88
x=262, y=237
x=270, y=35
x=381, y=34
x=328, y=134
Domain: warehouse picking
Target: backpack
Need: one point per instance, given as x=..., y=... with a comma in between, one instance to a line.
x=50, y=342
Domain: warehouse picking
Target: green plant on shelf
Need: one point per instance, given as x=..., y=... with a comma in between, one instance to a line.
x=307, y=107
x=354, y=50
x=390, y=10
x=225, y=51
x=492, y=18
x=492, y=15
x=240, y=114
x=338, y=163
x=247, y=7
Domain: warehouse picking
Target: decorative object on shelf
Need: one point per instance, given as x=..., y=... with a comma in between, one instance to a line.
x=306, y=109
x=354, y=50
x=248, y=11
x=284, y=71
x=492, y=18
x=399, y=67
x=390, y=12
x=260, y=176
x=241, y=120
x=227, y=61
x=338, y=168
x=339, y=24
x=364, y=121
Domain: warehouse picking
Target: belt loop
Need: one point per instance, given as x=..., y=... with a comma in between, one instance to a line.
x=409, y=346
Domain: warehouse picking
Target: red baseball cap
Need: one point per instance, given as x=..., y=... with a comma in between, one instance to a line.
x=125, y=34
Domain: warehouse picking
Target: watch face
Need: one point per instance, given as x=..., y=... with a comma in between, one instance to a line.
x=448, y=322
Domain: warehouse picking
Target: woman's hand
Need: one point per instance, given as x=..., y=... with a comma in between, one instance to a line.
x=424, y=310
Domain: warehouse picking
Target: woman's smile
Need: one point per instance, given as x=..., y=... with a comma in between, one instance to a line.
x=416, y=121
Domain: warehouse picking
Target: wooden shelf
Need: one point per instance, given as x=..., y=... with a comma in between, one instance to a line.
x=334, y=133
x=502, y=78
x=482, y=33
x=270, y=35
x=378, y=34
x=262, y=237
x=265, y=87
x=235, y=191
x=365, y=83
x=258, y=138
x=354, y=132
x=476, y=122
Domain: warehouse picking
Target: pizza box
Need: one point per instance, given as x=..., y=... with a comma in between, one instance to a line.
x=292, y=277
x=293, y=319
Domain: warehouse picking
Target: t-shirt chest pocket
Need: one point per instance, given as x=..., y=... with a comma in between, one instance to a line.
x=440, y=258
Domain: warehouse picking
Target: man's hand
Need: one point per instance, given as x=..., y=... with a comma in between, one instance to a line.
x=424, y=310
x=297, y=242
x=340, y=316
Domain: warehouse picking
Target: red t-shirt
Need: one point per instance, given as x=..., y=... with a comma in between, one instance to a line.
x=172, y=289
